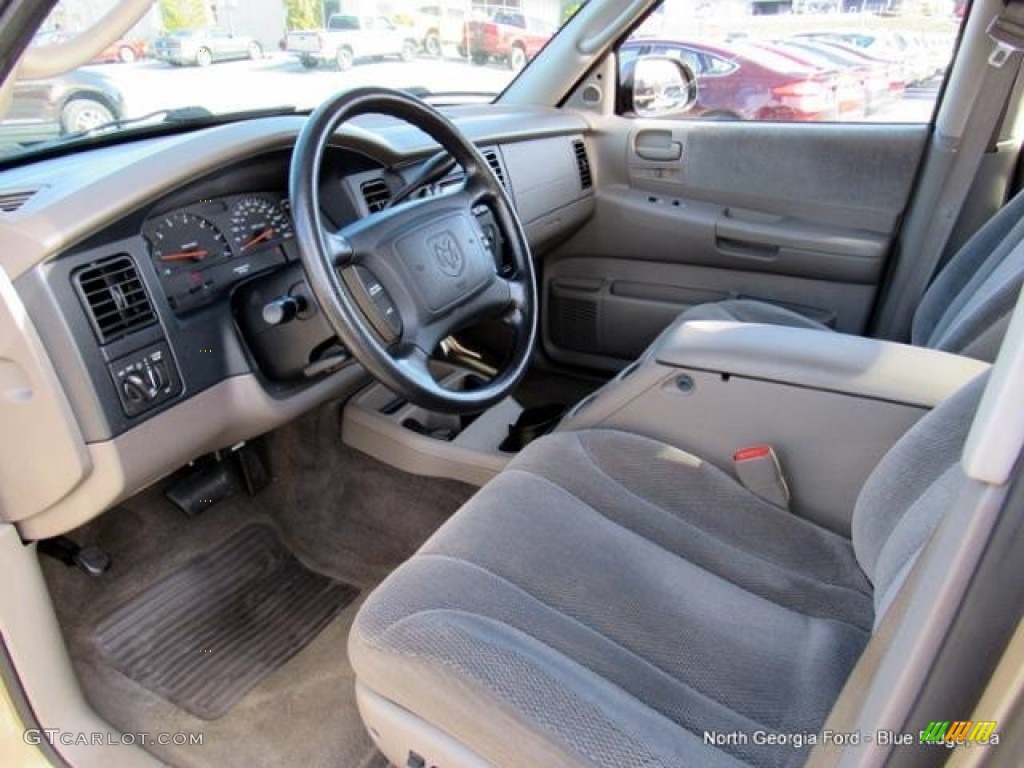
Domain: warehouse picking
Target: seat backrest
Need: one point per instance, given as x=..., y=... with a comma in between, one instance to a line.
x=967, y=307
x=905, y=496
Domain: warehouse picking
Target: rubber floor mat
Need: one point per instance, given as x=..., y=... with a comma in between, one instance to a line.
x=207, y=633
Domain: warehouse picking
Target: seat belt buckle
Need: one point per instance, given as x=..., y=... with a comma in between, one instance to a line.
x=758, y=469
x=1008, y=37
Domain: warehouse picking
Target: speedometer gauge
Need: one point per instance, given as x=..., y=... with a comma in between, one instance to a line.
x=183, y=240
x=256, y=222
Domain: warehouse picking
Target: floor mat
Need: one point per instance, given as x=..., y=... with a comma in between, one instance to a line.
x=207, y=633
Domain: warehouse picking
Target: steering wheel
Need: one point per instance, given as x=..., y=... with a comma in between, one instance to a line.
x=395, y=283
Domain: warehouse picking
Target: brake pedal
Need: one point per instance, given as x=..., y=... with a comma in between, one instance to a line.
x=218, y=477
x=201, y=486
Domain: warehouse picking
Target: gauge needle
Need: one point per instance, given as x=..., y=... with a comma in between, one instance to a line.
x=264, y=235
x=186, y=256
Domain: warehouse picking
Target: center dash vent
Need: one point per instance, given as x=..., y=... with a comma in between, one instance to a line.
x=376, y=194
x=583, y=164
x=12, y=201
x=115, y=298
x=491, y=156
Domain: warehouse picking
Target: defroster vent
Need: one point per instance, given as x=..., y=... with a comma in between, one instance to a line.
x=12, y=201
x=114, y=297
x=491, y=156
x=583, y=164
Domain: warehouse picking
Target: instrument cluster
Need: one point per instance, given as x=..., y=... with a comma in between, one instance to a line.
x=201, y=250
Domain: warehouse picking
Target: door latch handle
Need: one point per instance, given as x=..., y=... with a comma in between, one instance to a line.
x=657, y=145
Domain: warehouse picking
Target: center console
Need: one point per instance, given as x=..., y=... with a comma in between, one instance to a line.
x=414, y=439
x=829, y=404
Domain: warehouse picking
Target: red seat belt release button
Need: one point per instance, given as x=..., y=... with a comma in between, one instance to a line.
x=757, y=467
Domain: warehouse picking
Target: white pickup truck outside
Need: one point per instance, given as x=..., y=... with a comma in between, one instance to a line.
x=349, y=37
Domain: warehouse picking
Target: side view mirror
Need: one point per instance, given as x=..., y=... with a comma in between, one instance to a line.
x=657, y=86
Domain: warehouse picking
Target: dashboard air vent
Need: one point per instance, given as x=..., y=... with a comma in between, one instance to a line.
x=494, y=161
x=12, y=201
x=583, y=164
x=376, y=193
x=114, y=297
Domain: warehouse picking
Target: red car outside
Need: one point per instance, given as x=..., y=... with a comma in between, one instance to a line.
x=508, y=37
x=895, y=71
x=124, y=50
x=874, y=74
x=746, y=84
x=851, y=96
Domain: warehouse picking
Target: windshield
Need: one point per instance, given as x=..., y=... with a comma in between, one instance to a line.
x=190, y=58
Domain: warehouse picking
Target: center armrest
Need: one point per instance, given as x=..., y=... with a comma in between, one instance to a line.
x=835, y=362
x=830, y=405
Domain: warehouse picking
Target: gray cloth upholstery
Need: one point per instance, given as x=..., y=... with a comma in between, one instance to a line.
x=967, y=307
x=965, y=310
x=901, y=502
x=608, y=599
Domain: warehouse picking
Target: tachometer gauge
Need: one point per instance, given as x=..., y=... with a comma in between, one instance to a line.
x=257, y=221
x=184, y=240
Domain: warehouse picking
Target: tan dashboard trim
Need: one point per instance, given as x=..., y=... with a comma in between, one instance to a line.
x=42, y=455
x=58, y=218
x=234, y=410
x=33, y=640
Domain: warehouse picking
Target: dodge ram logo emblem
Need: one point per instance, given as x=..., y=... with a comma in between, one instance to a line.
x=447, y=254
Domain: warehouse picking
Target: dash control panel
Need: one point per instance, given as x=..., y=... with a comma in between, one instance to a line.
x=145, y=378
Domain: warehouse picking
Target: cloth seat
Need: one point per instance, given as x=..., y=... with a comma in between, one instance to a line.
x=965, y=310
x=610, y=600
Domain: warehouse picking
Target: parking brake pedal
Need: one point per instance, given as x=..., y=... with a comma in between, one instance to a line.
x=91, y=560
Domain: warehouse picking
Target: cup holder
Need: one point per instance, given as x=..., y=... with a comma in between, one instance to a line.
x=440, y=426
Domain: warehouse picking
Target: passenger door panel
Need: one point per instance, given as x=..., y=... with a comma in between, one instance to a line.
x=801, y=215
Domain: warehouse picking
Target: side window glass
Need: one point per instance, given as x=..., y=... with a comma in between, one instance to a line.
x=688, y=57
x=715, y=66
x=805, y=62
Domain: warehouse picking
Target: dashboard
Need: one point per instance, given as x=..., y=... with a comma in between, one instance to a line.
x=144, y=279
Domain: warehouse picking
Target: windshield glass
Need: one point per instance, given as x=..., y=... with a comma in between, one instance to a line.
x=202, y=58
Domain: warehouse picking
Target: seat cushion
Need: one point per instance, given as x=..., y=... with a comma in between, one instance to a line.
x=606, y=601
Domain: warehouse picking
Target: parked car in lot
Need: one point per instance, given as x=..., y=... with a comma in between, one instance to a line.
x=75, y=101
x=919, y=65
x=748, y=83
x=508, y=37
x=847, y=80
x=882, y=71
x=348, y=38
x=202, y=47
x=436, y=26
x=123, y=51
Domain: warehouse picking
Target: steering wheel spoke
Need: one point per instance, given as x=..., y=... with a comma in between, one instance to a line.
x=476, y=189
x=339, y=249
x=395, y=283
